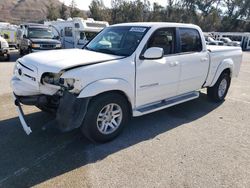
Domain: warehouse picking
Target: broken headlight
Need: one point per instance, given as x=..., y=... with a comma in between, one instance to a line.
x=67, y=82
x=55, y=79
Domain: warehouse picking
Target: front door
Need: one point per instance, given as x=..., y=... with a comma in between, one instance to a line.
x=158, y=79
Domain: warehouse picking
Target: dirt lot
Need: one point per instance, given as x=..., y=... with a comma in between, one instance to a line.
x=196, y=144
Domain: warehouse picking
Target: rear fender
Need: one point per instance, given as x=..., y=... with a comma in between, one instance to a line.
x=225, y=64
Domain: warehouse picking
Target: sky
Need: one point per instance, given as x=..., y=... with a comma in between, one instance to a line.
x=84, y=4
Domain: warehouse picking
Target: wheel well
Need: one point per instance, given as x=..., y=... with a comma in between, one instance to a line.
x=227, y=71
x=121, y=93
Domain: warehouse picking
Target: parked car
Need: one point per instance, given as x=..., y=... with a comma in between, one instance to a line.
x=228, y=42
x=9, y=33
x=142, y=68
x=36, y=37
x=211, y=41
x=4, y=49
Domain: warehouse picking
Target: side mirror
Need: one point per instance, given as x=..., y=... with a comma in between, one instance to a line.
x=153, y=53
x=24, y=36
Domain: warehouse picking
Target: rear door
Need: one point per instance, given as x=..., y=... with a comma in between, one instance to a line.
x=193, y=60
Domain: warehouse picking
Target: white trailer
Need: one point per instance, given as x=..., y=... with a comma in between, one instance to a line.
x=243, y=37
x=9, y=33
x=76, y=32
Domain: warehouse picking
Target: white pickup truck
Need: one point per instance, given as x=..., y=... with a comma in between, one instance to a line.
x=127, y=70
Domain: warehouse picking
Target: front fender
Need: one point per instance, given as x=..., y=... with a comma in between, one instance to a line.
x=225, y=64
x=111, y=84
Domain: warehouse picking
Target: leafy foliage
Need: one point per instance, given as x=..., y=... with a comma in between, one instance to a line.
x=52, y=12
x=64, y=11
x=211, y=15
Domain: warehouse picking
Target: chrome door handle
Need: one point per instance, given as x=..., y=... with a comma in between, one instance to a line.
x=204, y=59
x=174, y=64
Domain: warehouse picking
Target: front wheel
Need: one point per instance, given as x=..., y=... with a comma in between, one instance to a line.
x=219, y=91
x=21, y=52
x=106, y=116
x=7, y=58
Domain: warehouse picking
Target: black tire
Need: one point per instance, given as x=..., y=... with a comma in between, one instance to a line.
x=21, y=52
x=90, y=126
x=7, y=57
x=213, y=92
x=29, y=50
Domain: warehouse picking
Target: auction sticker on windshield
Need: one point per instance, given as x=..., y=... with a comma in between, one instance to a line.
x=138, y=29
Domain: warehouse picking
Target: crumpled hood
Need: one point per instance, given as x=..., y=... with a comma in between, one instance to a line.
x=57, y=60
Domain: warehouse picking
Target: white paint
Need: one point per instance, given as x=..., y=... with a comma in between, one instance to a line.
x=144, y=81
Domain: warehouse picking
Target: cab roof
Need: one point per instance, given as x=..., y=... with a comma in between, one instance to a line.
x=157, y=24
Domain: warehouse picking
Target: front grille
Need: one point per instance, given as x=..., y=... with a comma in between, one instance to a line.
x=48, y=46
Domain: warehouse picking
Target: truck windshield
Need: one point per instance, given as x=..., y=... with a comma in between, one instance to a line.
x=41, y=33
x=118, y=40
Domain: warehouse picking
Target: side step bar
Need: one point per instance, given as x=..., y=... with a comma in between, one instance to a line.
x=165, y=103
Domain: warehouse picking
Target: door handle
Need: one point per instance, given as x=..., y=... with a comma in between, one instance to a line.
x=173, y=64
x=204, y=59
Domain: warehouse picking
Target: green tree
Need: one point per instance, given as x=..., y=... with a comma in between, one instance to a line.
x=73, y=10
x=236, y=12
x=52, y=12
x=157, y=13
x=98, y=11
x=211, y=15
x=63, y=11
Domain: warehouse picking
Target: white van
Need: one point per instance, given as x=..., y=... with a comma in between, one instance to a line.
x=76, y=32
x=9, y=33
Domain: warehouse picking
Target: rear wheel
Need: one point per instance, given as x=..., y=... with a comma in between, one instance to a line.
x=219, y=91
x=106, y=116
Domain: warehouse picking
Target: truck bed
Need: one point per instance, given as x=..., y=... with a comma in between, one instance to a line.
x=214, y=48
x=218, y=54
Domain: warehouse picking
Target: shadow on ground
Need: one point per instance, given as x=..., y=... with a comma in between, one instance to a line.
x=29, y=160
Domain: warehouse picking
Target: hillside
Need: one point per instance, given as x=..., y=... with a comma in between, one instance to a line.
x=17, y=11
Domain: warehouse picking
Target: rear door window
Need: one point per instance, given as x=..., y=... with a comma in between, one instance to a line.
x=190, y=40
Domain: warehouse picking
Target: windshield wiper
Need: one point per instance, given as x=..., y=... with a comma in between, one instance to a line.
x=108, y=51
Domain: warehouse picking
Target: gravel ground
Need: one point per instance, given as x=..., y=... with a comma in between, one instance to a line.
x=195, y=144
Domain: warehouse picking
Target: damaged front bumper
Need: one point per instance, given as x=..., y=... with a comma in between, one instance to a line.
x=19, y=109
x=70, y=112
